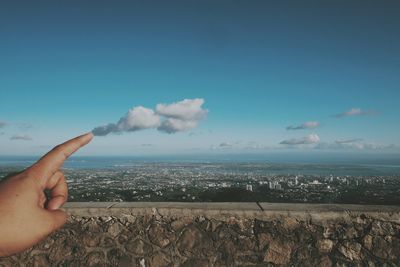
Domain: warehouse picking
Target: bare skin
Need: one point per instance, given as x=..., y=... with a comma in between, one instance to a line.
x=25, y=216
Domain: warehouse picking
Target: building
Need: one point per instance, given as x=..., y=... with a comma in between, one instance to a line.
x=249, y=187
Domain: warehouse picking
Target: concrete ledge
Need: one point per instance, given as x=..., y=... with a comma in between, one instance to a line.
x=314, y=212
x=163, y=209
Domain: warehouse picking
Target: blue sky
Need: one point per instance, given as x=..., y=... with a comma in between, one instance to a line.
x=260, y=66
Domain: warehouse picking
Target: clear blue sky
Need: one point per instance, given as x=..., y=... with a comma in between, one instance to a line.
x=261, y=66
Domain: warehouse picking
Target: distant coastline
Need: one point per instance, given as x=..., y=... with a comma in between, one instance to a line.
x=266, y=164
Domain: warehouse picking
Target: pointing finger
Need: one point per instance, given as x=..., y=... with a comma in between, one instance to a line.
x=53, y=160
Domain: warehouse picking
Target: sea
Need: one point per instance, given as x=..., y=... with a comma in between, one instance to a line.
x=365, y=165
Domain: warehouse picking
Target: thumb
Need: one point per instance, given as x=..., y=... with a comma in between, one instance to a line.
x=48, y=222
x=57, y=218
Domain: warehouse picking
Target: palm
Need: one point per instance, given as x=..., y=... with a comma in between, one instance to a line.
x=26, y=218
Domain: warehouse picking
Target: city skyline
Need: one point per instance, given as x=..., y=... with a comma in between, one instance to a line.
x=285, y=77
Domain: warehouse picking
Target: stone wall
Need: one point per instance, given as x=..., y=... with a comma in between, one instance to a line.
x=220, y=234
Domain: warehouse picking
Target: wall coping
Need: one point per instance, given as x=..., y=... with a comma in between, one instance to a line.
x=220, y=210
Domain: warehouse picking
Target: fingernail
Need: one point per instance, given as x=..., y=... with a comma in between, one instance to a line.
x=54, y=205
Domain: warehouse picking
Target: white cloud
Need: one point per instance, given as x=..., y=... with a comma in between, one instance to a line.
x=21, y=137
x=139, y=118
x=105, y=129
x=187, y=110
x=181, y=116
x=306, y=125
x=2, y=124
x=176, y=117
x=347, y=141
x=354, y=112
x=176, y=125
x=307, y=140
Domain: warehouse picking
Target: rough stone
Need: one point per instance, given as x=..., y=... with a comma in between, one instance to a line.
x=325, y=245
x=382, y=228
x=351, y=233
x=95, y=258
x=351, y=250
x=380, y=247
x=195, y=262
x=127, y=219
x=107, y=242
x=70, y=262
x=149, y=240
x=194, y=241
x=367, y=242
x=180, y=223
x=138, y=247
x=246, y=243
x=40, y=260
x=7, y=262
x=290, y=223
x=117, y=257
x=60, y=251
x=279, y=252
x=330, y=232
x=325, y=262
x=124, y=236
x=264, y=239
x=307, y=256
x=92, y=226
x=159, y=260
x=91, y=239
x=160, y=235
x=114, y=229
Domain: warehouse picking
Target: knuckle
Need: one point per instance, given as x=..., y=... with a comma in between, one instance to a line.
x=60, y=152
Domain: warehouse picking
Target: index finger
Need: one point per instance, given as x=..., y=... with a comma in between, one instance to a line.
x=46, y=166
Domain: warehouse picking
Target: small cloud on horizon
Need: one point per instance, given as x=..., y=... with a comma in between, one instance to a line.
x=225, y=145
x=147, y=145
x=21, y=137
x=307, y=140
x=306, y=125
x=240, y=146
x=354, y=112
x=256, y=146
x=347, y=141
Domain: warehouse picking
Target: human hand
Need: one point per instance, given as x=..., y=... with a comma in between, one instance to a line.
x=25, y=217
